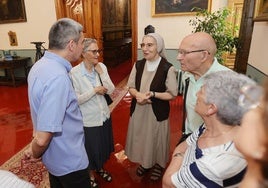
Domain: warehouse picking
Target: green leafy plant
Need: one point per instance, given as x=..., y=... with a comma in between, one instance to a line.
x=217, y=25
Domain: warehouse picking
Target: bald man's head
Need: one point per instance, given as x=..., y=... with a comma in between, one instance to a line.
x=202, y=40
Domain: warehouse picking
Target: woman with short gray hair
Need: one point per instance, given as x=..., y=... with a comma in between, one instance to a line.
x=209, y=158
x=91, y=82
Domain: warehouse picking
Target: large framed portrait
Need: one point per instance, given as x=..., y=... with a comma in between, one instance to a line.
x=261, y=10
x=12, y=11
x=178, y=7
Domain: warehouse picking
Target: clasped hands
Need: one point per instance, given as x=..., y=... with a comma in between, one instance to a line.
x=144, y=98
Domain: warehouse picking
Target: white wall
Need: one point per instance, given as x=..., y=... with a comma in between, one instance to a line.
x=258, y=54
x=171, y=28
x=40, y=15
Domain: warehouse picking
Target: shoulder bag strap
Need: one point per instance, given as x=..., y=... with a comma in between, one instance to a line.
x=99, y=78
x=184, y=104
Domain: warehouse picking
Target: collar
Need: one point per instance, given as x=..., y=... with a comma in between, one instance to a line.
x=84, y=71
x=58, y=59
x=211, y=69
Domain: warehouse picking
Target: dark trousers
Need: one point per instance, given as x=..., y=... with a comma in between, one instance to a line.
x=77, y=179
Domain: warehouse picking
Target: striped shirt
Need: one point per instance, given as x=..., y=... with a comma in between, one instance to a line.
x=218, y=166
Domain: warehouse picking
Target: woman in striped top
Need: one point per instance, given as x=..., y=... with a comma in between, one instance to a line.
x=208, y=158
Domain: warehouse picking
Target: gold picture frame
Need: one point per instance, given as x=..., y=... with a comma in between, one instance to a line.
x=261, y=11
x=177, y=7
x=12, y=11
x=13, y=41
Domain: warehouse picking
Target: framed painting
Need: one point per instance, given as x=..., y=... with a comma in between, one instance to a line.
x=178, y=7
x=261, y=10
x=12, y=11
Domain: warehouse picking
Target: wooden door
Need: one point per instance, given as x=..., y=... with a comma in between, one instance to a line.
x=86, y=12
x=89, y=14
x=236, y=7
x=245, y=36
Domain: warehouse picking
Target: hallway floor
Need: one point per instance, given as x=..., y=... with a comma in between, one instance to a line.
x=16, y=132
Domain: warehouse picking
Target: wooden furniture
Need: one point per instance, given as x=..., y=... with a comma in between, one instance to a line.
x=9, y=66
x=116, y=51
x=115, y=33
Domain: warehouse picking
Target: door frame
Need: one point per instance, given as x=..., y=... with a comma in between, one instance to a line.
x=134, y=34
x=245, y=36
x=96, y=15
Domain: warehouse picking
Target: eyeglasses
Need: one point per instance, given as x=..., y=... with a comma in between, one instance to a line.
x=184, y=52
x=147, y=45
x=250, y=96
x=95, y=51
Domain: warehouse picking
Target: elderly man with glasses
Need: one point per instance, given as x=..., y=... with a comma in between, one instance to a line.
x=196, y=56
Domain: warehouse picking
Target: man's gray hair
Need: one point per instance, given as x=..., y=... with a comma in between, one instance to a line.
x=61, y=32
x=222, y=89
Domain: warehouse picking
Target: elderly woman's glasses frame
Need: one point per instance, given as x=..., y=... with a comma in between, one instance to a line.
x=95, y=51
x=148, y=45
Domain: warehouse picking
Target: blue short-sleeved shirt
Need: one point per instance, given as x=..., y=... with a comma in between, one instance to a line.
x=54, y=108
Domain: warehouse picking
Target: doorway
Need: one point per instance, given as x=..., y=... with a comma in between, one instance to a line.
x=116, y=31
x=236, y=8
x=90, y=13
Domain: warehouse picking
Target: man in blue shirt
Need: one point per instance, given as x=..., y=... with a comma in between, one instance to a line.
x=58, y=126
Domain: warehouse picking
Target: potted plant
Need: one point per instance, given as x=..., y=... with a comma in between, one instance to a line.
x=217, y=25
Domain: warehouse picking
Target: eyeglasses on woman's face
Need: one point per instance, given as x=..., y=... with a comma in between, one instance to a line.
x=148, y=45
x=94, y=52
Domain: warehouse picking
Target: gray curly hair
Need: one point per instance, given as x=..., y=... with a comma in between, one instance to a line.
x=222, y=88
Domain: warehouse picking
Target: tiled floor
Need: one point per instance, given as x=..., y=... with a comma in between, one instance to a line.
x=16, y=130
